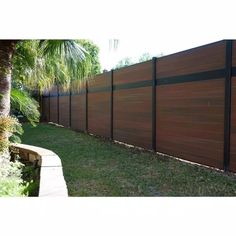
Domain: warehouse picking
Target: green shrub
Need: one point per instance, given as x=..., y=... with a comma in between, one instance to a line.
x=30, y=174
x=12, y=187
x=11, y=183
x=9, y=127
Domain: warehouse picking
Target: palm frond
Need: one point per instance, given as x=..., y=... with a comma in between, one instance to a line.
x=67, y=49
x=23, y=102
x=40, y=64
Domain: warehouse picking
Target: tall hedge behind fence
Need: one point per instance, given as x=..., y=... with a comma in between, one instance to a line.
x=182, y=104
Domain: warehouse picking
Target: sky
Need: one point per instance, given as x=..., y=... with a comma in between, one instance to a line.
x=166, y=27
x=154, y=26
x=135, y=47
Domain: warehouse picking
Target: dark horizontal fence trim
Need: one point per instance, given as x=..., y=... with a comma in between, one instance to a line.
x=99, y=89
x=56, y=95
x=233, y=72
x=207, y=75
x=53, y=95
x=81, y=92
x=138, y=84
x=64, y=94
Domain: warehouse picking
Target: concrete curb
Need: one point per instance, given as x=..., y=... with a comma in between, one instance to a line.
x=52, y=182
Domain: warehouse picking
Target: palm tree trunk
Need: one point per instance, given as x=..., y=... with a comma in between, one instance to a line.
x=7, y=48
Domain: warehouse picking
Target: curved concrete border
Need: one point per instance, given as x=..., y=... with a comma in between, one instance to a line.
x=52, y=182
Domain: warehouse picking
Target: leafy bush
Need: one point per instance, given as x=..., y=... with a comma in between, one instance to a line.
x=9, y=127
x=11, y=183
x=30, y=174
x=11, y=169
x=12, y=187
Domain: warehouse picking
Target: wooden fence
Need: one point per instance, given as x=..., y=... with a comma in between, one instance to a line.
x=182, y=104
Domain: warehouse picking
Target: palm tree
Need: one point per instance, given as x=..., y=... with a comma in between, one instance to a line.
x=7, y=48
x=49, y=61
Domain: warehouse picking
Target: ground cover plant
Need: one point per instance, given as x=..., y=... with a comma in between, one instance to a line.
x=96, y=167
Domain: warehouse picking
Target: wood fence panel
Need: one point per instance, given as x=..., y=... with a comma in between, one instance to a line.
x=64, y=107
x=78, y=112
x=99, y=105
x=133, y=73
x=190, y=121
x=205, y=58
x=100, y=81
x=53, y=109
x=45, y=115
x=132, y=117
x=64, y=110
x=53, y=105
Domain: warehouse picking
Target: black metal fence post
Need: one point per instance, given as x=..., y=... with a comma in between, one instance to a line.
x=154, y=60
x=58, y=104
x=86, y=106
x=227, y=114
x=49, y=108
x=70, y=107
x=41, y=105
x=111, y=106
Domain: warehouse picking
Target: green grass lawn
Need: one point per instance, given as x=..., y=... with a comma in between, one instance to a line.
x=95, y=167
